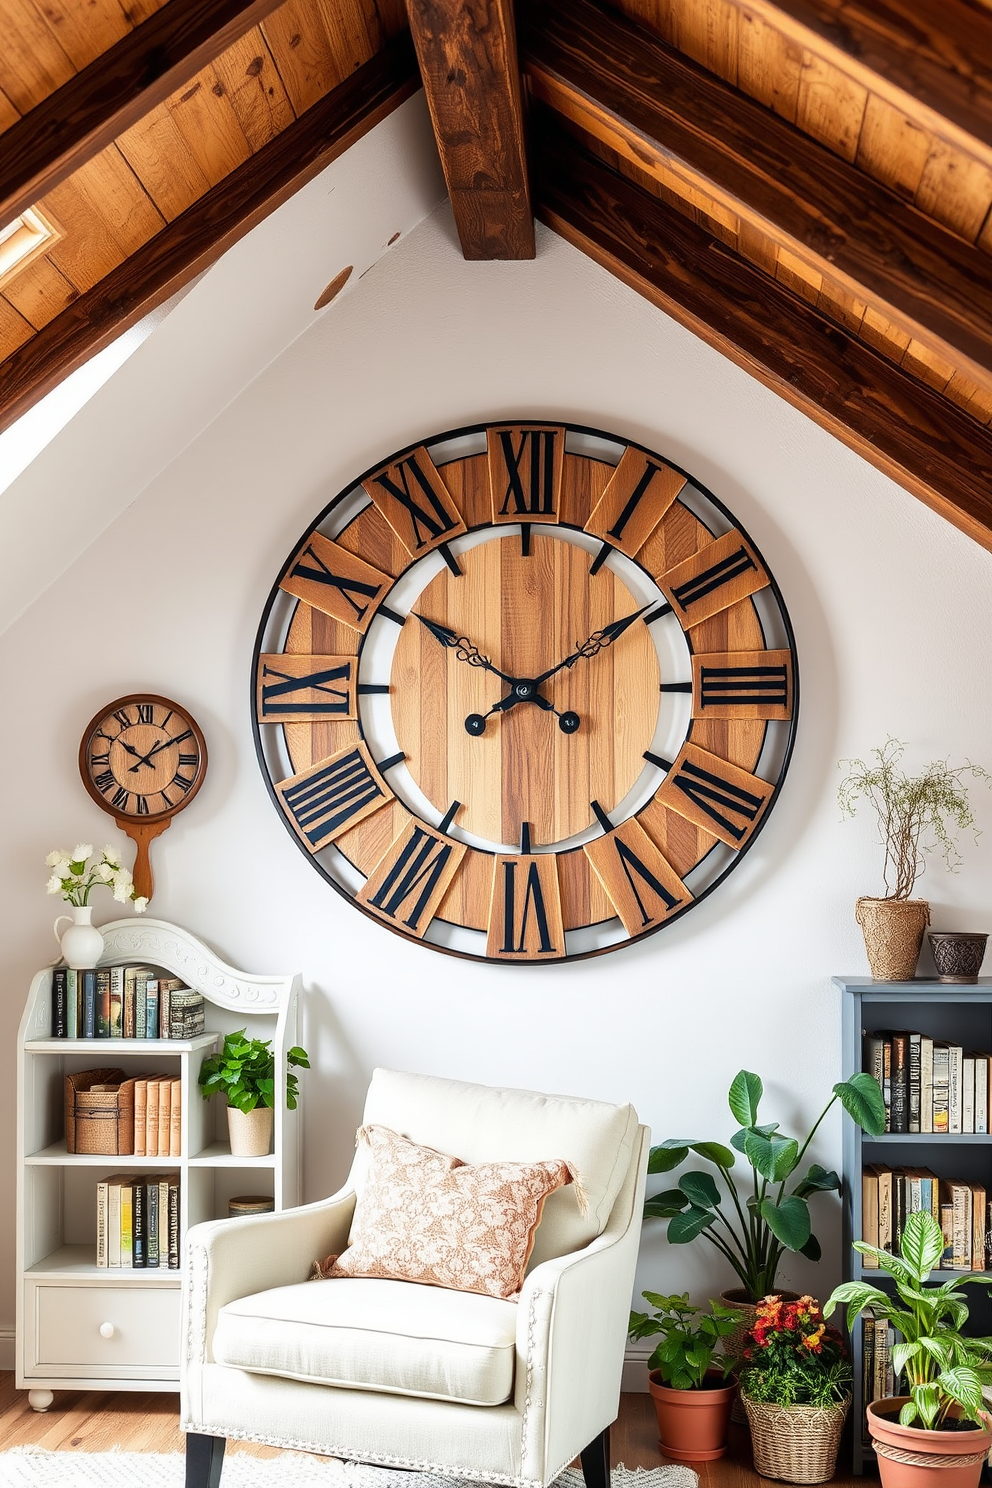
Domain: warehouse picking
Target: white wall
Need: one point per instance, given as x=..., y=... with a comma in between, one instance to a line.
x=890, y=607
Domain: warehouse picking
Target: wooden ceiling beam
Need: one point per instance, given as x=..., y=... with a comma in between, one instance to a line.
x=939, y=52
x=117, y=89
x=468, y=59
x=667, y=115
x=197, y=238
x=904, y=428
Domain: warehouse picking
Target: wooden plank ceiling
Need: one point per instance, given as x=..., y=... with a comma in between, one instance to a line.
x=805, y=183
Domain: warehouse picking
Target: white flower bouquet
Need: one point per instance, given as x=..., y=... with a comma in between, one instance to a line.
x=75, y=877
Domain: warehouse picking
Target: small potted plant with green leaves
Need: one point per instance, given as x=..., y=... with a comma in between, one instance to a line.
x=795, y=1383
x=916, y=814
x=943, y=1422
x=687, y=1379
x=244, y=1073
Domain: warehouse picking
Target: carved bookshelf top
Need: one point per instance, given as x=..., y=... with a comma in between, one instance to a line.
x=175, y=949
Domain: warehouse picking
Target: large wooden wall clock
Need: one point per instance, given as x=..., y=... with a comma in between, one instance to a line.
x=525, y=692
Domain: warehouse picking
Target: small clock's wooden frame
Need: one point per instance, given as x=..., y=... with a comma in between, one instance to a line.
x=544, y=796
x=142, y=829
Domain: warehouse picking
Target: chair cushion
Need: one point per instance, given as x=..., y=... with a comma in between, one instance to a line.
x=363, y=1334
x=426, y=1217
x=484, y=1123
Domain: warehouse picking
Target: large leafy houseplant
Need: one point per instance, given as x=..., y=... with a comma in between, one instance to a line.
x=752, y=1231
x=944, y=1369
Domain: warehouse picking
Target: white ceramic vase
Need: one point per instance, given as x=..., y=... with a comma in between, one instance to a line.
x=82, y=943
x=251, y=1131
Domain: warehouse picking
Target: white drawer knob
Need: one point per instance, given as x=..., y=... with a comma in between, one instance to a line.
x=107, y=1330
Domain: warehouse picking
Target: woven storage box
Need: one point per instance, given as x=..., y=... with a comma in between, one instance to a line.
x=796, y=1443
x=100, y=1122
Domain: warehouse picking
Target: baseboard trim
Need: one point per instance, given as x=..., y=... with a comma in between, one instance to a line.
x=8, y=1351
x=635, y=1368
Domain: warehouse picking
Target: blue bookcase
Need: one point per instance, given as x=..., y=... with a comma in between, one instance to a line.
x=955, y=1014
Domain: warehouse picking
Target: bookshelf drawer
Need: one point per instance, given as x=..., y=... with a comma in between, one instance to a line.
x=102, y=1330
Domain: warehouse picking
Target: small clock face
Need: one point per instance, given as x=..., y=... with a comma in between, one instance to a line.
x=525, y=692
x=142, y=757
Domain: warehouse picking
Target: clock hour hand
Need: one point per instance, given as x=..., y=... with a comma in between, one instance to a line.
x=462, y=647
x=597, y=642
x=146, y=759
x=523, y=692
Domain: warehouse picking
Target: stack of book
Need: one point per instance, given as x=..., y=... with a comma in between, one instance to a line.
x=929, y=1086
x=877, y=1375
x=157, y=1116
x=137, y=1221
x=889, y=1196
x=124, y=1002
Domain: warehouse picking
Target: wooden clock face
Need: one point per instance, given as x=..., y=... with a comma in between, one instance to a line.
x=525, y=693
x=142, y=757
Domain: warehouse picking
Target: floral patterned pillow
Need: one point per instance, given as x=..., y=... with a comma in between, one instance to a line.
x=430, y=1218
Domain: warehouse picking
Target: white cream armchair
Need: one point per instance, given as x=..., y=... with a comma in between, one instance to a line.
x=412, y=1376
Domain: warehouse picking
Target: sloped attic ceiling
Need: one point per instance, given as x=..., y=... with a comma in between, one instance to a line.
x=806, y=184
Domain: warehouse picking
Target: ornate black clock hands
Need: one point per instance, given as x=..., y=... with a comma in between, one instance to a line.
x=596, y=643
x=527, y=690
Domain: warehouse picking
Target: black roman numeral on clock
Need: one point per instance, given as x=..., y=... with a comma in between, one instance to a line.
x=525, y=466
x=742, y=684
x=638, y=495
x=409, y=883
x=716, y=577
x=415, y=502
x=304, y=689
x=335, y=582
x=640, y=884
x=333, y=795
x=525, y=920
x=146, y=712
x=715, y=795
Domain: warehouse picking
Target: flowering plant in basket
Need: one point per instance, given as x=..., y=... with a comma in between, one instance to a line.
x=791, y=1357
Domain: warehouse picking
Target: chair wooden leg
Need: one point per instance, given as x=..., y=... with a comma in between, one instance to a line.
x=596, y=1461
x=204, y=1460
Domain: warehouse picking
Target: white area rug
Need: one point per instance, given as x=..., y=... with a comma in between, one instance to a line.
x=32, y=1467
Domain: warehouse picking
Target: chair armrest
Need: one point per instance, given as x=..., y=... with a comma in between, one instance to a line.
x=231, y=1258
x=572, y=1332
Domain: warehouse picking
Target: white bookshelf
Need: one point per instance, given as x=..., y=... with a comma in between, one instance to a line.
x=80, y=1326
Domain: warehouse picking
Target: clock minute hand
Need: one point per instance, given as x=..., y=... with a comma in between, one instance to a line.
x=146, y=759
x=596, y=643
x=462, y=647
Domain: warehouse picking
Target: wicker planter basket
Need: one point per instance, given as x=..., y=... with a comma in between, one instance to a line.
x=796, y=1443
x=893, y=931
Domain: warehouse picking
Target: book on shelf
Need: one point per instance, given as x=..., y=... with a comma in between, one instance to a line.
x=138, y=1221
x=124, y=1002
x=963, y=1211
x=928, y=1086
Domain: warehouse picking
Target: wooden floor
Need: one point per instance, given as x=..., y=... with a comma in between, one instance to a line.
x=93, y=1422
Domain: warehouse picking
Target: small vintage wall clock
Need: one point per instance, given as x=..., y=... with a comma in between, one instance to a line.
x=525, y=692
x=142, y=758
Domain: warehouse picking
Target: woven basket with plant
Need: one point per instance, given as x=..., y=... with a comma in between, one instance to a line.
x=795, y=1380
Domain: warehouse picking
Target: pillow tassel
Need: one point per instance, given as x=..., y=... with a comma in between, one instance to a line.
x=581, y=1197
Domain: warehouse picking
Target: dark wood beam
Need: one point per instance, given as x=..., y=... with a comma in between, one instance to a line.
x=114, y=91
x=468, y=58
x=937, y=51
x=904, y=428
x=205, y=230
x=662, y=112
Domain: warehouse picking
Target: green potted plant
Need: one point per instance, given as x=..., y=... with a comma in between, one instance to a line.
x=753, y=1231
x=692, y=1399
x=916, y=814
x=943, y=1416
x=244, y=1073
x=795, y=1383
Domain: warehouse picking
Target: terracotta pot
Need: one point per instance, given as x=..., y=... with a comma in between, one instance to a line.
x=692, y=1424
x=893, y=931
x=909, y=1457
